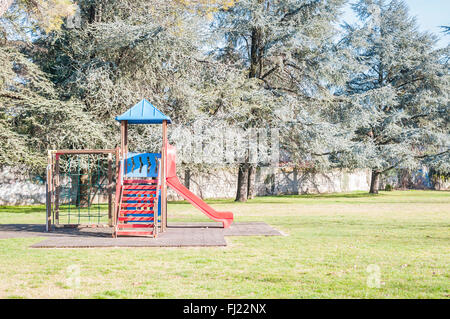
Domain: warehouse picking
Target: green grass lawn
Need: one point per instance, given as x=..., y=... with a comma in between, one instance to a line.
x=333, y=247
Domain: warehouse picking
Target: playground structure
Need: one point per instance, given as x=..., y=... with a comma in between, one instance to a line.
x=78, y=182
x=140, y=182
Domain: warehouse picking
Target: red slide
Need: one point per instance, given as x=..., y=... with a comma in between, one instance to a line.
x=172, y=180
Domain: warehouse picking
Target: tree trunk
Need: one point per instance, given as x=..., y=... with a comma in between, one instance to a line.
x=254, y=53
x=251, y=182
x=375, y=182
x=242, y=187
x=245, y=185
x=83, y=189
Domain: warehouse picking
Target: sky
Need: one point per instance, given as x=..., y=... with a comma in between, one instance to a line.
x=430, y=15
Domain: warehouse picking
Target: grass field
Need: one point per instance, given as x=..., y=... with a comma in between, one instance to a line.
x=391, y=245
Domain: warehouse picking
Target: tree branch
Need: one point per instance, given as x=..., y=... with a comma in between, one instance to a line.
x=292, y=13
x=433, y=155
x=4, y=6
x=268, y=72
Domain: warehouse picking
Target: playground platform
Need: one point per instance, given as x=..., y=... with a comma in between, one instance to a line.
x=179, y=234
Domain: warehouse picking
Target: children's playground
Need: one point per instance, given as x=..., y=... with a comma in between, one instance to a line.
x=109, y=231
x=138, y=207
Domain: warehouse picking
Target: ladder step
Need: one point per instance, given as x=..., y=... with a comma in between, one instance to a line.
x=138, y=192
x=137, y=205
x=135, y=219
x=140, y=187
x=136, y=212
x=134, y=233
x=140, y=181
x=138, y=199
x=125, y=226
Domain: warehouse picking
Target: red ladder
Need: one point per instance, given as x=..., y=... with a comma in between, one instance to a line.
x=138, y=208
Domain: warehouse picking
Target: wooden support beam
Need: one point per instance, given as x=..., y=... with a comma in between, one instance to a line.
x=48, y=182
x=116, y=204
x=57, y=189
x=52, y=186
x=124, y=137
x=88, y=151
x=124, y=142
x=110, y=191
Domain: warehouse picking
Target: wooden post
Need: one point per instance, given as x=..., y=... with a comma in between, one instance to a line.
x=56, y=188
x=157, y=201
x=124, y=137
x=163, y=177
x=110, y=187
x=52, y=185
x=124, y=142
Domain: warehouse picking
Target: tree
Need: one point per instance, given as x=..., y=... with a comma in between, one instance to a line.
x=284, y=46
x=118, y=53
x=33, y=119
x=121, y=52
x=47, y=14
x=398, y=91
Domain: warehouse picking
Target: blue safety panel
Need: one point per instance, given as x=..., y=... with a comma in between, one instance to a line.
x=142, y=165
x=159, y=204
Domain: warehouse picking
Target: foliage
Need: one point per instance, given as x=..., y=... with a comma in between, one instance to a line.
x=31, y=14
x=288, y=48
x=373, y=94
x=34, y=119
x=398, y=91
x=124, y=51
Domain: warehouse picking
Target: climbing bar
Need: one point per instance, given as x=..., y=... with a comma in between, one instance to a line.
x=122, y=226
x=139, y=199
x=135, y=219
x=61, y=152
x=140, y=181
x=138, y=192
x=138, y=213
x=137, y=205
x=142, y=187
x=136, y=233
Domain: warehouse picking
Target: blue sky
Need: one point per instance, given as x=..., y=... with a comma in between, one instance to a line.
x=430, y=15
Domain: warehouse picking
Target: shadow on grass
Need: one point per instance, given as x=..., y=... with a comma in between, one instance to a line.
x=209, y=201
x=282, y=198
x=38, y=230
x=23, y=209
x=333, y=195
x=279, y=199
x=29, y=209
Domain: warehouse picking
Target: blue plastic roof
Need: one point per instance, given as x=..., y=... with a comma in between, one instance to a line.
x=143, y=112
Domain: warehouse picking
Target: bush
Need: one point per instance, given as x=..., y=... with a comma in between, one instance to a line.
x=388, y=188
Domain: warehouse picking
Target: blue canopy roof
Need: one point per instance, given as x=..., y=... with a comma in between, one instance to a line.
x=143, y=112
